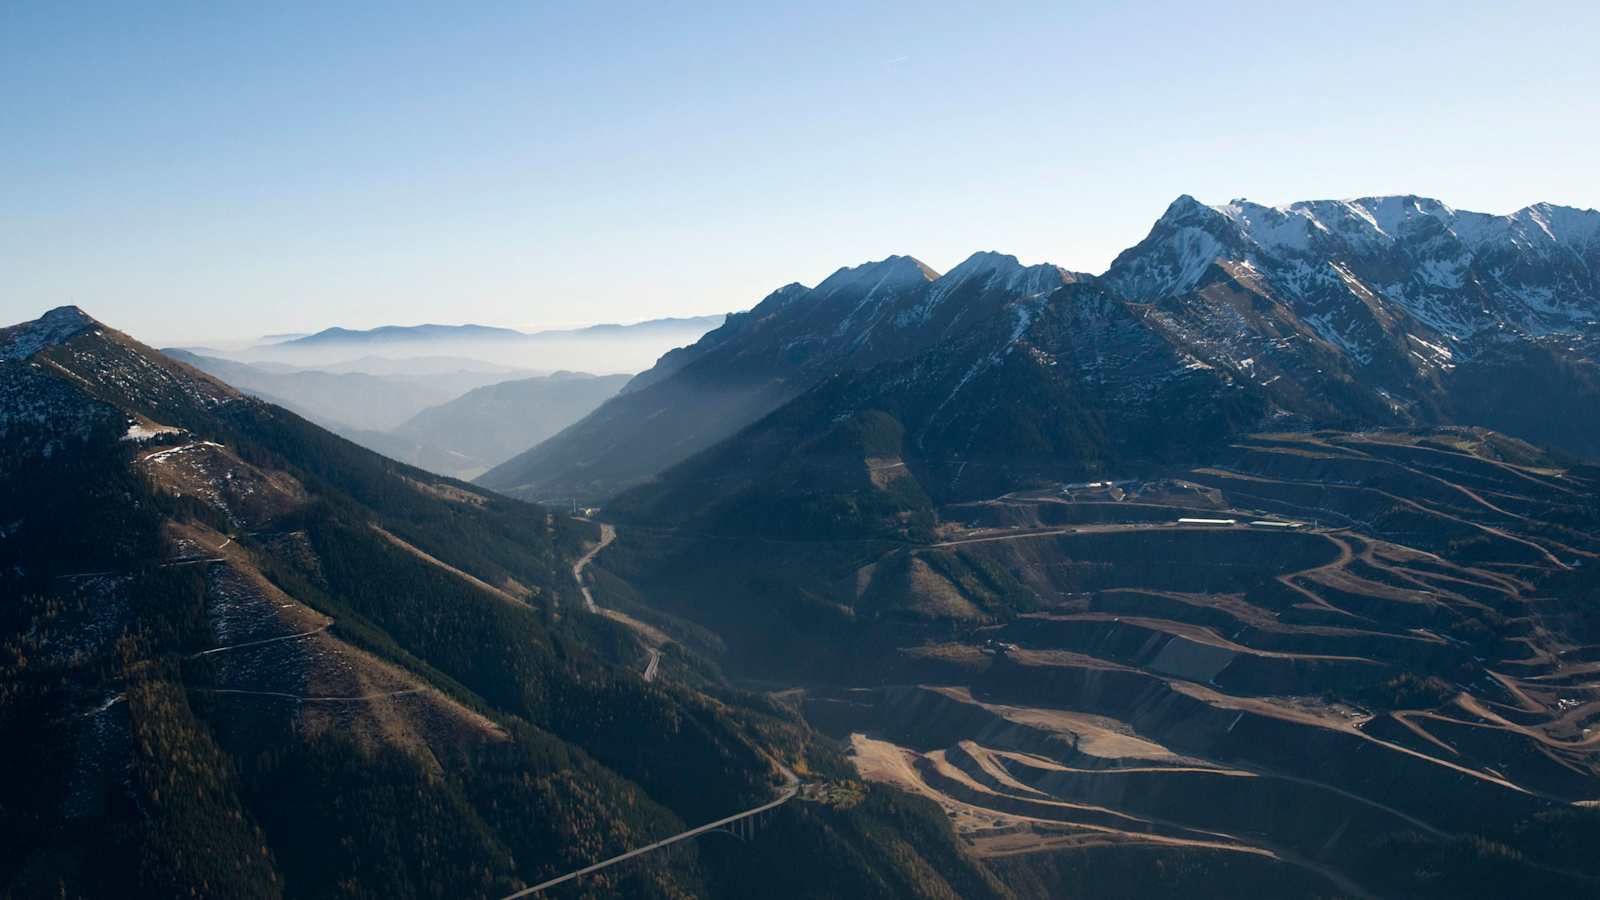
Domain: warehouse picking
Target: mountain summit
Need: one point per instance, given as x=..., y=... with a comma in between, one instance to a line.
x=895, y=273
x=1457, y=273
x=54, y=327
x=1375, y=311
x=856, y=318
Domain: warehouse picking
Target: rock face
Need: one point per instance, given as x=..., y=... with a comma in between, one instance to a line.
x=1384, y=309
x=1463, y=275
x=1379, y=311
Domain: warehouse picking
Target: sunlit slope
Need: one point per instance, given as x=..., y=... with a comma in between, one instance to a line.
x=1358, y=655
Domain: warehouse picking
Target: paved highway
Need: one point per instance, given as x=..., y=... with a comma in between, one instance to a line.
x=790, y=789
x=791, y=785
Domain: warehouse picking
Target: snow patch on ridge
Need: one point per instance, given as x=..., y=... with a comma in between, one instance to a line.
x=988, y=270
x=53, y=328
x=1024, y=317
x=896, y=273
x=878, y=281
x=1465, y=275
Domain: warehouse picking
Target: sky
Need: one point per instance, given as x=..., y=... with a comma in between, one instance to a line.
x=197, y=171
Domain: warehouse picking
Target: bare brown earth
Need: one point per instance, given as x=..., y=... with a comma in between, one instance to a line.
x=250, y=496
x=277, y=664
x=275, y=654
x=1243, y=688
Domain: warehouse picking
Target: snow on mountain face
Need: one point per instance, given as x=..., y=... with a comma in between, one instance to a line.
x=54, y=327
x=100, y=366
x=987, y=270
x=1180, y=249
x=1460, y=274
x=1003, y=272
x=43, y=404
x=869, y=285
x=1378, y=310
x=38, y=409
x=1384, y=222
x=888, y=308
x=886, y=276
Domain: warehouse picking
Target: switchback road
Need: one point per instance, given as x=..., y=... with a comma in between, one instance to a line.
x=607, y=535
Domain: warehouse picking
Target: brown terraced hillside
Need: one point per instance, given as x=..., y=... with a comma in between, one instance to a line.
x=1366, y=663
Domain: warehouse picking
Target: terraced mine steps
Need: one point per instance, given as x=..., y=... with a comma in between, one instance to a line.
x=1400, y=662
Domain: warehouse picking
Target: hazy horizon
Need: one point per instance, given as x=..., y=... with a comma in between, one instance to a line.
x=198, y=174
x=236, y=343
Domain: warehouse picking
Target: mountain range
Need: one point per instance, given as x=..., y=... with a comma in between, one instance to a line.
x=393, y=334
x=406, y=334
x=1372, y=312
x=605, y=348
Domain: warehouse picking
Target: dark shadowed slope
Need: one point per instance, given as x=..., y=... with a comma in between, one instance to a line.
x=761, y=359
x=243, y=657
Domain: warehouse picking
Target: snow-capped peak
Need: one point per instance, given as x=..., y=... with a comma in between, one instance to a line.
x=1186, y=210
x=54, y=327
x=1457, y=272
x=984, y=261
x=1004, y=271
x=1567, y=225
x=1368, y=222
x=1291, y=227
x=1361, y=223
x=988, y=270
x=897, y=273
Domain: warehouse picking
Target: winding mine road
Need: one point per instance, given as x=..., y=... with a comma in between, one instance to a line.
x=300, y=698
x=791, y=786
x=608, y=534
x=271, y=640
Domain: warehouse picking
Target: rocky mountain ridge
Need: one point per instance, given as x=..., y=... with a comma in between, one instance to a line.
x=1381, y=311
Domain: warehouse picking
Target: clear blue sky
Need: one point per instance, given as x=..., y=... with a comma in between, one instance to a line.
x=188, y=171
